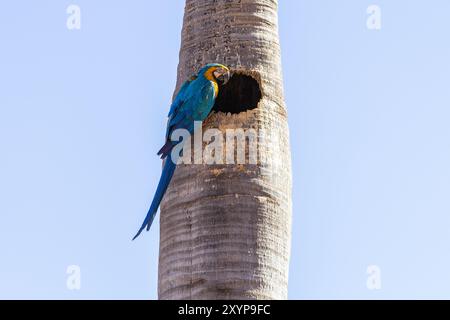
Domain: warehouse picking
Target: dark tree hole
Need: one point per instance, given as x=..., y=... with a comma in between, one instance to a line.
x=240, y=94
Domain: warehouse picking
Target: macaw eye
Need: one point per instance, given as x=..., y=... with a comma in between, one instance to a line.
x=218, y=73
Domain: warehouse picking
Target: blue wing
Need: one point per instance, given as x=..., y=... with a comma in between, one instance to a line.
x=182, y=96
x=189, y=105
x=196, y=107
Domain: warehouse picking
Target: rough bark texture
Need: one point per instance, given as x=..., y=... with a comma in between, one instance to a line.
x=225, y=229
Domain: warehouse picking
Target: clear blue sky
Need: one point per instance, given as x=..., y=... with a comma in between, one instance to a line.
x=82, y=114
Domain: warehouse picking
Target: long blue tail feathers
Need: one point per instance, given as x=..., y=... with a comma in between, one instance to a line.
x=166, y=176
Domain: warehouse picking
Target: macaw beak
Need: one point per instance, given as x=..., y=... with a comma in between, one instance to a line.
x=222, y=76
x=226, y=77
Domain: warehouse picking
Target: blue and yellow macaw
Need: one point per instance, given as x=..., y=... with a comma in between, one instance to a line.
x=193, y=102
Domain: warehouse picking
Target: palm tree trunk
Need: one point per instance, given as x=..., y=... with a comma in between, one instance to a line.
x=225, y=229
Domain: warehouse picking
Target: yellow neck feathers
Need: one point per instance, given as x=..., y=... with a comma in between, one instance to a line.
x=209, y=75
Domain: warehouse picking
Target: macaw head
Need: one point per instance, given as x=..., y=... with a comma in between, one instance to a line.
x=216, y=72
